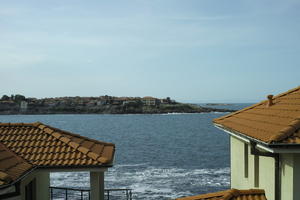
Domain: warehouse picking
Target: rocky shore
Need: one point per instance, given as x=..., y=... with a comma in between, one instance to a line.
x=18, y=104
x=116, y=109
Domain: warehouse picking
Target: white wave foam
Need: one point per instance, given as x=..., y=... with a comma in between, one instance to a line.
x=150, y=182
x=220, y=112
x=131, y=165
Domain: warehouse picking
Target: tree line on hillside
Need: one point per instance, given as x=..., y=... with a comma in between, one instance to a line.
x=15, y=98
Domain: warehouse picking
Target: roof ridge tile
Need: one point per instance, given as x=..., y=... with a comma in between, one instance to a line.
x=75, y=145
x=55, y=134
x=239, y=111
x=92, y=155
x=41, y=126
x=48, y=130
x=83, y=149
x=230, y=194
x=287, y=131
x=103, y=159
x=65, y=139
x=17, y=124
x=257, y=104
x=273, y=114
x=287, y=92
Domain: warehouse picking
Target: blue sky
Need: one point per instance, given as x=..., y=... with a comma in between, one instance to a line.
x=192, y=50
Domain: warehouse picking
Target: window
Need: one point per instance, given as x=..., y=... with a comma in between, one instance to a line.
x=246, y=160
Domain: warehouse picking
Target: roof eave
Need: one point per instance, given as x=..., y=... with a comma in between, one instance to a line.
x=59, y=168
x=273, y=148
x=19, y=178
x=239, y=135
x=76, y=168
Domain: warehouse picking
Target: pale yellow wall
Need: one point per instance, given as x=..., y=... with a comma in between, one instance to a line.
x=237, y=170
x=287, y=171
x=266, y=169
x=296, y=176
x=267, y=176
x=42, y=184
x=290, y=176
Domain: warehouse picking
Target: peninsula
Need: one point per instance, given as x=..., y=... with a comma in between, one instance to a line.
x=19, y=104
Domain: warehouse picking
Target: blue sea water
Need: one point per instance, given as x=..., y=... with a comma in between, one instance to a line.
x=158, y=156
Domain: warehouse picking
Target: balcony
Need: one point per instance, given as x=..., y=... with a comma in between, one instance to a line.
x=62, y=193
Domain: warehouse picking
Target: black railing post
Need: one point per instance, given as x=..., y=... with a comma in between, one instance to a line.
x=51, y=193
x=130, y=194
x=66, y=194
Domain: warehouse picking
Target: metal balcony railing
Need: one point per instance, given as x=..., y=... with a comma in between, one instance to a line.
x=63, y=193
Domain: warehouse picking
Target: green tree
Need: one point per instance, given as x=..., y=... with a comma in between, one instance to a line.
x=19, y=98
x=5, y=98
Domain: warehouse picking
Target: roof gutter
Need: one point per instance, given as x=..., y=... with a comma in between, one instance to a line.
x=272, y=148
x=74, y=168
x=239, y=135
x=57, y=169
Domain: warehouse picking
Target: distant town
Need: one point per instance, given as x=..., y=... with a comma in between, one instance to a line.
x=19, y=104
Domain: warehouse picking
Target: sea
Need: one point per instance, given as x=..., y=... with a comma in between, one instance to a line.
x=158, y=156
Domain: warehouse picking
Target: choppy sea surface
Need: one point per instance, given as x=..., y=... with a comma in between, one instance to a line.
x=161, y=156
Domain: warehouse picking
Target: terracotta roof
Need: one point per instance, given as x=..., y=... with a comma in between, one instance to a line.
x=38, y=145
x=11, y=166
x=272, y=124
x=233, y=194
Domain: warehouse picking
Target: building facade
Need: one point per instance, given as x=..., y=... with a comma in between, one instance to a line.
x=265, y=146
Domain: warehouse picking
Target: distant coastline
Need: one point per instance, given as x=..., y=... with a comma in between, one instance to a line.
x=19, y=104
